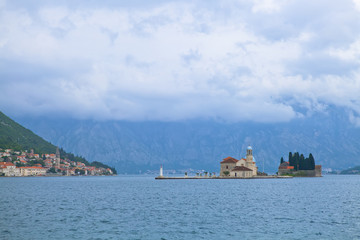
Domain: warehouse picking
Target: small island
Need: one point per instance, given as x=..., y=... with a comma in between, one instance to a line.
x=299, y=166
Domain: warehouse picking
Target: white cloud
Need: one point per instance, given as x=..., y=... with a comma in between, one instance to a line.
x=354, y=119
x=178, y=61
x=357, y=4
x=267, y=6
x=350, y=53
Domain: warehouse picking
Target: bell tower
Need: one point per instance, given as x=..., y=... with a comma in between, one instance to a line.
x=57, y=158
x=250, y=160
x=249, y=155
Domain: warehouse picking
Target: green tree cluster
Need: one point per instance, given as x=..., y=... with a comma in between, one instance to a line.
x=73, y=157
x=299, y=162
x=226, y=173
x=33, y=162
x=52, y=170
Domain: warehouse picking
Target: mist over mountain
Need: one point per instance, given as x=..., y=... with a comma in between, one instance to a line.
x=139, y=146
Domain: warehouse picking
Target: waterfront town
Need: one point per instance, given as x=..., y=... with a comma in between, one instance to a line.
x=27, y=163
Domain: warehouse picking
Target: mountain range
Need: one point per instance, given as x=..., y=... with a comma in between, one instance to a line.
x=134, y=147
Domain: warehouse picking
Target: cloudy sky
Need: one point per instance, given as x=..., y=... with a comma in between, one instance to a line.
x=261, y=60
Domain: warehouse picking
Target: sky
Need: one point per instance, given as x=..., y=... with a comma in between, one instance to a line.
x=260, y=60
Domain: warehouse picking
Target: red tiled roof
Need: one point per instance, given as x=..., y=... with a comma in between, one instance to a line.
x=32, y=167
x=241, y=168
x=284, y=164
x=286, y=167
x=7, y=164
x=317, y=166
x=229, y=160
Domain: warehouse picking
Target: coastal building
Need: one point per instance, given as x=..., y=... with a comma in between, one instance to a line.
x=32, y=171
x=243, y=168
x=8, y=169
x=21, y=157
x=285, y=169
x=48, y=163
x=5, y=154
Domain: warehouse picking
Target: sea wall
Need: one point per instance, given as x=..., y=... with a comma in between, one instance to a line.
x=301, y=173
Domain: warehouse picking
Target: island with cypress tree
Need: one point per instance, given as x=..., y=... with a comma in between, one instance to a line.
x=299, y=166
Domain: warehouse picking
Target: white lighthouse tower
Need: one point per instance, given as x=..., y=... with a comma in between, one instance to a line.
x=161, y=171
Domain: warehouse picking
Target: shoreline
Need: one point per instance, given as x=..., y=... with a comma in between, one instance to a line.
x=200, y=178
x=57, y=176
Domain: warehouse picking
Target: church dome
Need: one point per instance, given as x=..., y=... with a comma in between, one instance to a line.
x=249, y=148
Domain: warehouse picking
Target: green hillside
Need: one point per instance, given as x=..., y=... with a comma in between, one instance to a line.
x=16, y=137
x=354, y=170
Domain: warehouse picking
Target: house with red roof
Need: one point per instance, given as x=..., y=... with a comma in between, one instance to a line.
x=5, y=154
x=21, y=157
x=8, y=169
x=48, y=163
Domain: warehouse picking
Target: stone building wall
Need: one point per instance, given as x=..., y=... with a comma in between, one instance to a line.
x=226, y=167
x=301, y=173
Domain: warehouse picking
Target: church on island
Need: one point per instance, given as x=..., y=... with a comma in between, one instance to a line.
x=243, y=168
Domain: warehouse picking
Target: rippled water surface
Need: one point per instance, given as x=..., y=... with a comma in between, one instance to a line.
x=143, y=208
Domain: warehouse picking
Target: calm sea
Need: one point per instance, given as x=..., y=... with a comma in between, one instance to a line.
x=143, y=208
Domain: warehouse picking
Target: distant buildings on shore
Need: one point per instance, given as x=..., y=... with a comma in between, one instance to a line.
x=23, y=163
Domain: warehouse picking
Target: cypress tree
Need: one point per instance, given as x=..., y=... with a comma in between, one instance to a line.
x=291, y=162
x=306, y=164
x=281, y=160
x=312, y=162
x=297, y=161
x=302, y=163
